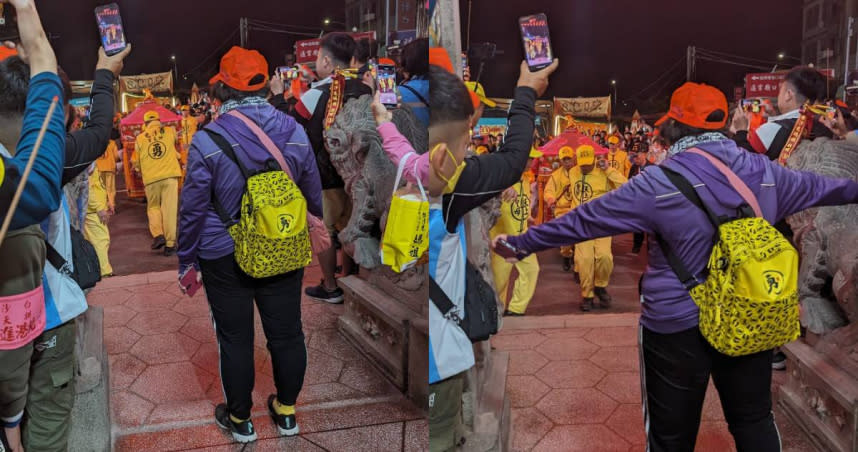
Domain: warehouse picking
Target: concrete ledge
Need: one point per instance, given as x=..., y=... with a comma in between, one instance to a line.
x=594, y=320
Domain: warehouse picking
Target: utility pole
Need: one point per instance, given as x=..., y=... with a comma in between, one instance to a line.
x=387, y=26
x=690, y=63
x=243, y=31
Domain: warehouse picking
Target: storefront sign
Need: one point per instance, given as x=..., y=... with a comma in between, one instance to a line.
x=156, y=83
x=768, y=84
x=307, y=50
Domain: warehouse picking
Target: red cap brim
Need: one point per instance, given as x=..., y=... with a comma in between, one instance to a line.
x=662, y=120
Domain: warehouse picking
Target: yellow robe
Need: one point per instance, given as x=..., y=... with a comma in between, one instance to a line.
x=155, y=154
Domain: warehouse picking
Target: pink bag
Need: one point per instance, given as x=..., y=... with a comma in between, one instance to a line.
x=22, y=318
x=320, y=240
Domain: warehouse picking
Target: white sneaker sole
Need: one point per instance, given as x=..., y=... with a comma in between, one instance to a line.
x=779, y=366
x=335, y=300
x=243, y=439
x=287, y=432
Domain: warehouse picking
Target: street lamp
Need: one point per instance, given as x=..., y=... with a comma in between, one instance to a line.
x=614, y=85
x=175, y=68
x=328, y=22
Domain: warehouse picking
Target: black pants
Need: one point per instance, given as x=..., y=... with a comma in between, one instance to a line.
x=231, y=294
x=638, y=240
x=675, y=370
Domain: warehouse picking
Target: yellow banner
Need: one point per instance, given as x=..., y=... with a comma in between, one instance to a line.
x=583, y=107
x=157, y=83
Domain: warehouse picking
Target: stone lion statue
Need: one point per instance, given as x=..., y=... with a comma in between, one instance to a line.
x=826, y=238
x=357, y=154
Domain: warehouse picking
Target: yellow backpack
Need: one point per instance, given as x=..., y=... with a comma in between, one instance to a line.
x=271, y=236
x=749, y=299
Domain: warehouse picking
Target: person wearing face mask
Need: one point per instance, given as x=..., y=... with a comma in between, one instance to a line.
x=456, y=186
x=558, y=195
x=589, y=180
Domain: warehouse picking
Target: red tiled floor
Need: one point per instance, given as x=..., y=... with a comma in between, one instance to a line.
x=129, y=410
x=567, y=349
x=111, y=297
x=560, y=333
x=357, y=415
x=199, y=328
x=181, y=411
x=369, y=439
x=119, y=339
x=362, y=376
x=617, y=359
x=525, y=390
x=627, y=421
x=124, y=369
x=714, y=437
x=583, y=438
x=143, y=300
x=525, y=362
x=712, y=405
x=172, y=382
x=416, y=436
x=613, y=337
x=570, y=374
x=529, y=426
x=525, y=341
x=577, y=406
x=624, y=387
x=117, y=315
x=157, y=322
x=322, y=368
x=193, y=307
x=326, y=392
x=332, y=342
x=176, y=439
x=165, y=348
x=207, y=357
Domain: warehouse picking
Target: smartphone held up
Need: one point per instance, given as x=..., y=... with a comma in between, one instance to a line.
x=386, y=84
x=536, y=40
x=110, y=28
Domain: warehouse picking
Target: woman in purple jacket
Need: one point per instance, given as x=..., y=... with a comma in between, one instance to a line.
x=205, y=245
x=676, y=361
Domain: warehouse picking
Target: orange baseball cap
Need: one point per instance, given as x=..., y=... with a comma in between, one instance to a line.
x=239, y=67
x=438, y=57
x=6, y=52
x=692, y=104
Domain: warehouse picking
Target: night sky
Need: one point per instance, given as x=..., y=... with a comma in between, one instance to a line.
x=634, y=42
x=190, y=29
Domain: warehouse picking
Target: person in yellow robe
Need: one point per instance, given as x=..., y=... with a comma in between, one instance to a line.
x=617, y=158
x=106, y=165
x=97, y=216
x=558, y=195
x=157, y=161
x=514, y=219
x=189, y=128
x=594, y=262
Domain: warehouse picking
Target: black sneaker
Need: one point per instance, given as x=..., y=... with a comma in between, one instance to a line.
x=159, y=242
x=779, y=361
x=587, y=305
x=242, y=432
x=286, y=425
x=323, y=294
x=604, y=298
x=169, y=251
x=567, y=264
x=512, y=314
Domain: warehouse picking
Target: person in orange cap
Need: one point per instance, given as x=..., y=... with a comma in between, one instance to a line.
x=156, y=159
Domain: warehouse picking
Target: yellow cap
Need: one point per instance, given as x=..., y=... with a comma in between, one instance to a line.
x=481, y=150
x=566, y=153
x=477, y=89
x=586, y=155
x=535, y=153
x=151, y=116
x=613, y=139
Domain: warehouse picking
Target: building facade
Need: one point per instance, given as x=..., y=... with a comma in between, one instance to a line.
x=824, y=32
x=407, y=19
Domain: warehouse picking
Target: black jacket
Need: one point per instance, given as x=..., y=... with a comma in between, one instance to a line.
x=485, y=176
x=88, y=144
x=773, y=152
x=315, y=126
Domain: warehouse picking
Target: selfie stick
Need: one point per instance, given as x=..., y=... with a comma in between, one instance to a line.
x=26, y=174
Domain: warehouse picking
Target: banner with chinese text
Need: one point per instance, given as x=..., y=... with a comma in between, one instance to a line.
x=307, y=50
x=157, y=83
x=583, y=107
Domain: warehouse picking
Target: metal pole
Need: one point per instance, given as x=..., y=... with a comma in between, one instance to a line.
x=688, y=58
x=387, y=26
x=849, y=30
x=243, y=31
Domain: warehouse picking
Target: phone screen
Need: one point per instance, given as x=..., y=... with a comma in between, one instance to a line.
x=387, y=85
x=536, y=40
x=464, y=61
x=287, y=72
x=111, y=29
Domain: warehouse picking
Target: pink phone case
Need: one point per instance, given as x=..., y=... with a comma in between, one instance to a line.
x=190, y=283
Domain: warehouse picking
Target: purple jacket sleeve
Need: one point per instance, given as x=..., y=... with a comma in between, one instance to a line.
x=196, y=197
x=800, y=190
x=623, y=210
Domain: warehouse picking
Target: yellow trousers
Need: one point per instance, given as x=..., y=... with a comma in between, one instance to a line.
x=525, y=285
x=109, y=182
x=594, y=262
x=98, y=235
x=162, y=198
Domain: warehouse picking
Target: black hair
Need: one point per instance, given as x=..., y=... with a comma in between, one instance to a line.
x=415, y=57
x=809, y=83
x=224, y=93
x=340, y=46
x=673, y=131
x=364, y=50
x=449, y=100
x=14, y=84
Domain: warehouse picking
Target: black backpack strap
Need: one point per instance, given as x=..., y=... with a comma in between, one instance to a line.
x=55, y=258
x=419, y=97
x=229, y=152
x=685, y=187
x=442, y=301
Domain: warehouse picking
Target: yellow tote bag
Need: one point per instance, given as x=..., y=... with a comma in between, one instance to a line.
x=406, y=235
